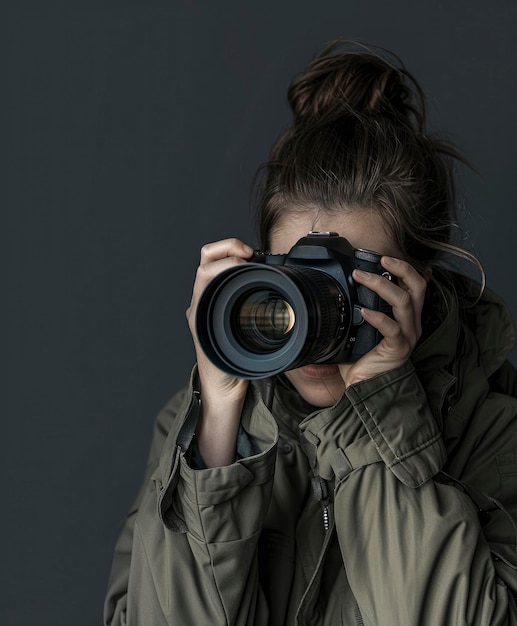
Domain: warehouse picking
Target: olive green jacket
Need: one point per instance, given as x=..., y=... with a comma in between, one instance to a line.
x=394, y=507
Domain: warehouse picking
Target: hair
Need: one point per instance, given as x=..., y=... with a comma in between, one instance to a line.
x=358, y=141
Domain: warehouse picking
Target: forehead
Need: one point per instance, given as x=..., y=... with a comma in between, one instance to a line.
x=363, y=229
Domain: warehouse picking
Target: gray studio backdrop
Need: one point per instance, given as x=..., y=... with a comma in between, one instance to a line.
x=133, y=134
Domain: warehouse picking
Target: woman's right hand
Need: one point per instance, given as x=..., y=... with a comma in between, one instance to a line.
x=222, y=396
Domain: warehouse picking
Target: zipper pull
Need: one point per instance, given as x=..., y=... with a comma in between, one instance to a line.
x=320, y=492
x=326, y=517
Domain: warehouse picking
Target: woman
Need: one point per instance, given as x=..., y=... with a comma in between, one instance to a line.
x=379, y=492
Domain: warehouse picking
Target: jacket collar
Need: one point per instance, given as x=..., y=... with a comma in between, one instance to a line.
x=470, y=343
x=488, y=320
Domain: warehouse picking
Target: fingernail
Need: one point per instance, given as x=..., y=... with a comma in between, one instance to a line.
x=361, y=274
x=247, y=249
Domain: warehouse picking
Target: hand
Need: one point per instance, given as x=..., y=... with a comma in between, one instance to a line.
x=400, y=334
x=222, y=396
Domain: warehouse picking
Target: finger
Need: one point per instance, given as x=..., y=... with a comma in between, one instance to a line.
x=386, y=289
x=225, y=248
x=410, y=280
x=405, y=312
x=405, y=296
x=395, y=341
x=205, y=274
x=407, y=276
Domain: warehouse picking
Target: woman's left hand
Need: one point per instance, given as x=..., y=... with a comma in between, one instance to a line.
x=401, y=333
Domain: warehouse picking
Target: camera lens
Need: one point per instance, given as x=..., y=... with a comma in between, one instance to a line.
x=257, y=320
x=263, y=320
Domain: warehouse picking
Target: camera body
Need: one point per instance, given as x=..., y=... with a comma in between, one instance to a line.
x=333, y=255
x=283, y=311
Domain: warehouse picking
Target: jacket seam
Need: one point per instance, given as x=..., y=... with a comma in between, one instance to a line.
x=419, y=448
x=398, y=457
x=209, y=552
x=386, y=385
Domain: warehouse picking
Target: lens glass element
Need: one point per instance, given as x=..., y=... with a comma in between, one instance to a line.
x=263, y=320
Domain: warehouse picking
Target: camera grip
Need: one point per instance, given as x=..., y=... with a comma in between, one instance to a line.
x=367, y=337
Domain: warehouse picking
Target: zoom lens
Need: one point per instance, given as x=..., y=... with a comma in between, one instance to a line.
x=256, y=320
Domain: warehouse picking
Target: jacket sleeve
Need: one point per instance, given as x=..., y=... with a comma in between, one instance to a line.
x=413, y=547
x=189, y=554
x=115, y=603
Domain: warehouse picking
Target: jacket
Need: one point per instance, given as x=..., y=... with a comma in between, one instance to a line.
x=395, y=507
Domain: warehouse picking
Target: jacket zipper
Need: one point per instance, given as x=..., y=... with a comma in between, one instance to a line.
x=326, y=517
x=358, y=617
x=320, y=491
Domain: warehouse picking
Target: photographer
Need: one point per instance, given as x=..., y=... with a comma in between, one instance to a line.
x=377, y=491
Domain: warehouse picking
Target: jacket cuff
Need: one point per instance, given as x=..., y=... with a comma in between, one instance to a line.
x=395, y=412
x=192, y=501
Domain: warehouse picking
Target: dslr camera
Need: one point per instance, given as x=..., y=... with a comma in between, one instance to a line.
x=282, y=311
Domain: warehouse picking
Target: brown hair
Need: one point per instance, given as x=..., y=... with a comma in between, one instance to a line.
x=359, y=141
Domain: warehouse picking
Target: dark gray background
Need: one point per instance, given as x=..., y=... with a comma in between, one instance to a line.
x=133, y=134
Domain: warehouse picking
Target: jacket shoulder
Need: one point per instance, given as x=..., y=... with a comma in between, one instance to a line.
x=504, y=380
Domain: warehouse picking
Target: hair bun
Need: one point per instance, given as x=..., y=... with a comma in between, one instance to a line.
x=358, y=83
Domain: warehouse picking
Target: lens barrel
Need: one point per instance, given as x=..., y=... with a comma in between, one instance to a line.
x=257, y=320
